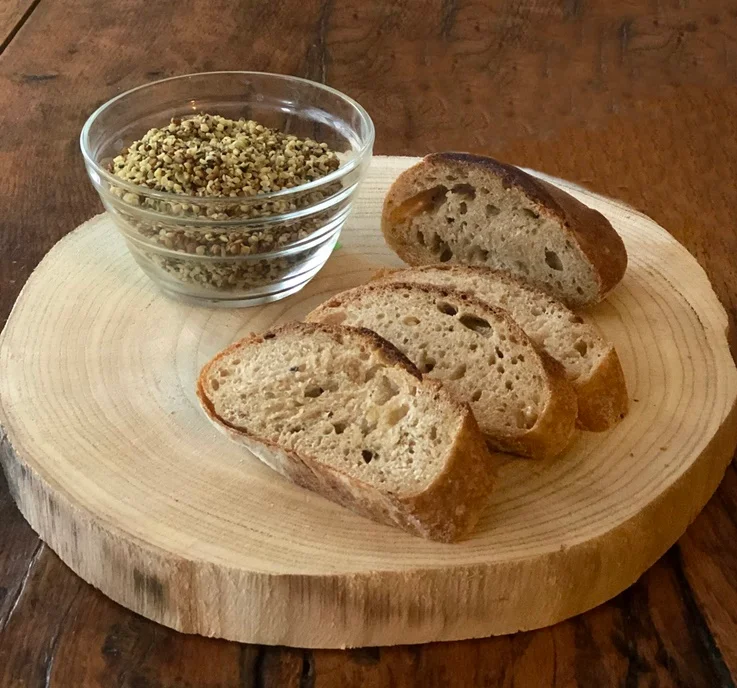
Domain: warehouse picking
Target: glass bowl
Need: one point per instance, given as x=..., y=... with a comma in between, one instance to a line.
x=243, y=250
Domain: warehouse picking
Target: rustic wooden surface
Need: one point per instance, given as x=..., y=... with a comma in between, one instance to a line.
x=634, y=99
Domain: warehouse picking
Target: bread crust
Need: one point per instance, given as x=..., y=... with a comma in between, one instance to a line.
x=556, y=424
x=602, y=395
x=603, y=398
x=447, y=510
x=587, y=228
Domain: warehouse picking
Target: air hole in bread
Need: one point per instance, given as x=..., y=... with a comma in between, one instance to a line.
x=371, y=373
x=463, y=208
x=214, y=384
x=526, y=418
x=339, y=428
x=411, y=320
x=492, y=359
x=579, y=290
x=396, y=414
x=385, y=390
x=531, y=213
x=450, y=220
x=476, y=395
x=458, y=372
x=420, y=238
x=500, y=368
x=367, y=455
x=224, y=372
x=445, y=253
x=446, y=308
x=533, y=231
x=581, y=347
x=464, y=190
x=499, y=352
x=426, y=201
x=553, y=260
x=473, y=346
x=491, y=210
x=269, y=335
x=576, y=319
x=476, y=324
x=236, y=361
x=427, y=365
x=451, y=178
x=509, y=385
x=313, y=391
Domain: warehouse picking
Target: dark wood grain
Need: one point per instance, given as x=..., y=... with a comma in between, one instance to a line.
x=634, y=99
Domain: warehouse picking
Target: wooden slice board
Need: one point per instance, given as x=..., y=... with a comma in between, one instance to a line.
x=113, y=463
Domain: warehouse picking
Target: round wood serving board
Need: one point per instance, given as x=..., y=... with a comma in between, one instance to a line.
x=113, y=463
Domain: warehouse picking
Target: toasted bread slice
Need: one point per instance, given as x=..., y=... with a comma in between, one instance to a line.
x=343, y=413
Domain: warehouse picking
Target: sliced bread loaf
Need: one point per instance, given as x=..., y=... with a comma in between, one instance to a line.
x=591, y=363
x=462, y=208
x=345, y=414
x=520, y=397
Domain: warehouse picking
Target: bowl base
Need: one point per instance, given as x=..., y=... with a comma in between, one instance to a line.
x=224, y=302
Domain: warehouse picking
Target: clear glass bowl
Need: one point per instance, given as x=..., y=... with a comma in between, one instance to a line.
x=231, y=251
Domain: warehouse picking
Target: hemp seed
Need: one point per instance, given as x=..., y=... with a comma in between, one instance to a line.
x=212, y=157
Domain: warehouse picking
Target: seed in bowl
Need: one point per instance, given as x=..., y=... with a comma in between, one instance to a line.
x=209, y=156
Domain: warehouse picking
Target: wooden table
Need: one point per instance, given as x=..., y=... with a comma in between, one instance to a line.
x=633, y=99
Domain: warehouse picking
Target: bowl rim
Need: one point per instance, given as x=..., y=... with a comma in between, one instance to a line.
x=342, y=170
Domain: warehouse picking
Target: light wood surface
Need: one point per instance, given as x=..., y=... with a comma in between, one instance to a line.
x=113, y=463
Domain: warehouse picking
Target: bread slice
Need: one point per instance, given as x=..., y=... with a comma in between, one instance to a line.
x=591, y=363
x=520, y=397
x=343, y=413
x=462, y=208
